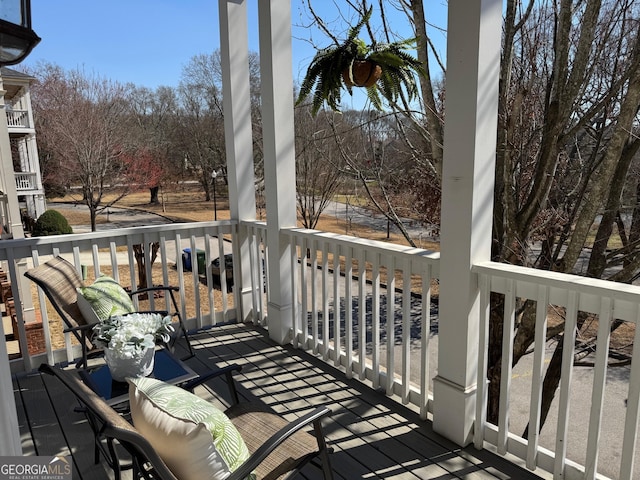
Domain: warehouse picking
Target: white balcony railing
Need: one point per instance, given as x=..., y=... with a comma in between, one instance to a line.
x=111, y=252
x=373, y=328
x=329, y=291
x=593, y=403
x=355, y=310
x=18, y=118
x=26, y=181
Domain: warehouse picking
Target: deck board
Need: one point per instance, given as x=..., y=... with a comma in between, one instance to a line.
x=372, y=435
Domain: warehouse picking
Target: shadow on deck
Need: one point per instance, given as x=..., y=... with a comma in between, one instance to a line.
x=372, y=435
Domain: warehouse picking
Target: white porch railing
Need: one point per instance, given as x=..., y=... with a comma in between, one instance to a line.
x=593, y=415
x=370, y=325
x=350, y=310
x=26, y=181
x=329, y=322
x=111, y=252
x=18, y=118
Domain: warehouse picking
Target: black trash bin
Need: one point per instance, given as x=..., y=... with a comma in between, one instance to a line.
x=228, y=272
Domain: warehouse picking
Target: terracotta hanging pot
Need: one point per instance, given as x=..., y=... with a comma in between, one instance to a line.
x=365, y=74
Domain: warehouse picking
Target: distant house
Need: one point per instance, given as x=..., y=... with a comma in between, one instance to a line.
x=22, y=196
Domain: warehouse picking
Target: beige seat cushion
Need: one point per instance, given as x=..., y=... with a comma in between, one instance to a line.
x=195, y=439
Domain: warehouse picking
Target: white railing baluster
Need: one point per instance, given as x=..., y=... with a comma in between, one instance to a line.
x=568, y=350
x=483, y=345
x=314, y=296
x=223, y=283
x=375, y=320
x=599, y=380
x=406, y=330
x=336, y=304
x=542, y=304
x=348, y=311
x=163, y=263
x=295, y=310
x=506, y=365
x=391, y=322
x=304, y=292
x=131, y=261
x=195, y=279
x=256, y=292
x=632, y=418
x=325, y=301
x=43, y=314
x=426, y=272
x=96, y=261
x=362, y=314
x=146, y=245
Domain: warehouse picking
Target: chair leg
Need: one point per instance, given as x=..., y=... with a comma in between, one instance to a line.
x=327, y=471
x=182, y=327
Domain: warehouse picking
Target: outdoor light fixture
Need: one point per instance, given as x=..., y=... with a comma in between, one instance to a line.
x=17, y=39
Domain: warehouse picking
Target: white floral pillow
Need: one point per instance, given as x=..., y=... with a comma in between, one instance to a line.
x=105, y=297
x=196, y=440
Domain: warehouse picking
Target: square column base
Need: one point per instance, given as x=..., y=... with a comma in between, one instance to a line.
x=453, y=410
x=279, y=320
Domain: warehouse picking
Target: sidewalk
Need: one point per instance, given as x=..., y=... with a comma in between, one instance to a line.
x=115, y=217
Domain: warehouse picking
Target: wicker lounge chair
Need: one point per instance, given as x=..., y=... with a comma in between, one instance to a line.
x=59, y=280
x=278, y=449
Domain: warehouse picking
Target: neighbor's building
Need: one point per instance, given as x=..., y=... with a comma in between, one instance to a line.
x=21, y=192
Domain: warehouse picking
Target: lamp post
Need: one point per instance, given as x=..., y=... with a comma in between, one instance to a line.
x=214, y=175
x=17, y=39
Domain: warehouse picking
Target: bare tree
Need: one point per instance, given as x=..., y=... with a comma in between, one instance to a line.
x=199, y=133
x=567, y=112
x=155, y=116
x=319, y=170
x=81, y=119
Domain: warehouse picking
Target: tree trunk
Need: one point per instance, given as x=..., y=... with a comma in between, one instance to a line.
x=153, y=192
x=93, y=214
x=141, y=257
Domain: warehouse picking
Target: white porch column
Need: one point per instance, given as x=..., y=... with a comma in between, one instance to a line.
x=279, y=157
x=8, y=175
x=473, y=65
x=234, y=52
x=9, y=431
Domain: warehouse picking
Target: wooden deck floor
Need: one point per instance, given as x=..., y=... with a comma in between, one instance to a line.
x=372, y=435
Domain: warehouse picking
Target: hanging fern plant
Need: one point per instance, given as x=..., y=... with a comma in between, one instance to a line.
x=384, y=69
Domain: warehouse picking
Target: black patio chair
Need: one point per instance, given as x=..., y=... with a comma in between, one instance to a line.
x=59, y=280
x=278, y=449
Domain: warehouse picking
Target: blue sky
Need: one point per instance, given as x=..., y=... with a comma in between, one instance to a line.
x=148, y=42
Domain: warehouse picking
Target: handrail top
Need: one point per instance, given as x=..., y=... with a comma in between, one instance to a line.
x=23, y=246
x=370, y=244
x=558, y=280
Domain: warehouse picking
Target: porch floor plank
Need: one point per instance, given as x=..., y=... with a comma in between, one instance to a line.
x=42, y=423
x=372, y=435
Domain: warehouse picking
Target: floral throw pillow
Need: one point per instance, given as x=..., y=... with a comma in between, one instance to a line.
x=196, y=440
x=106, y=298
